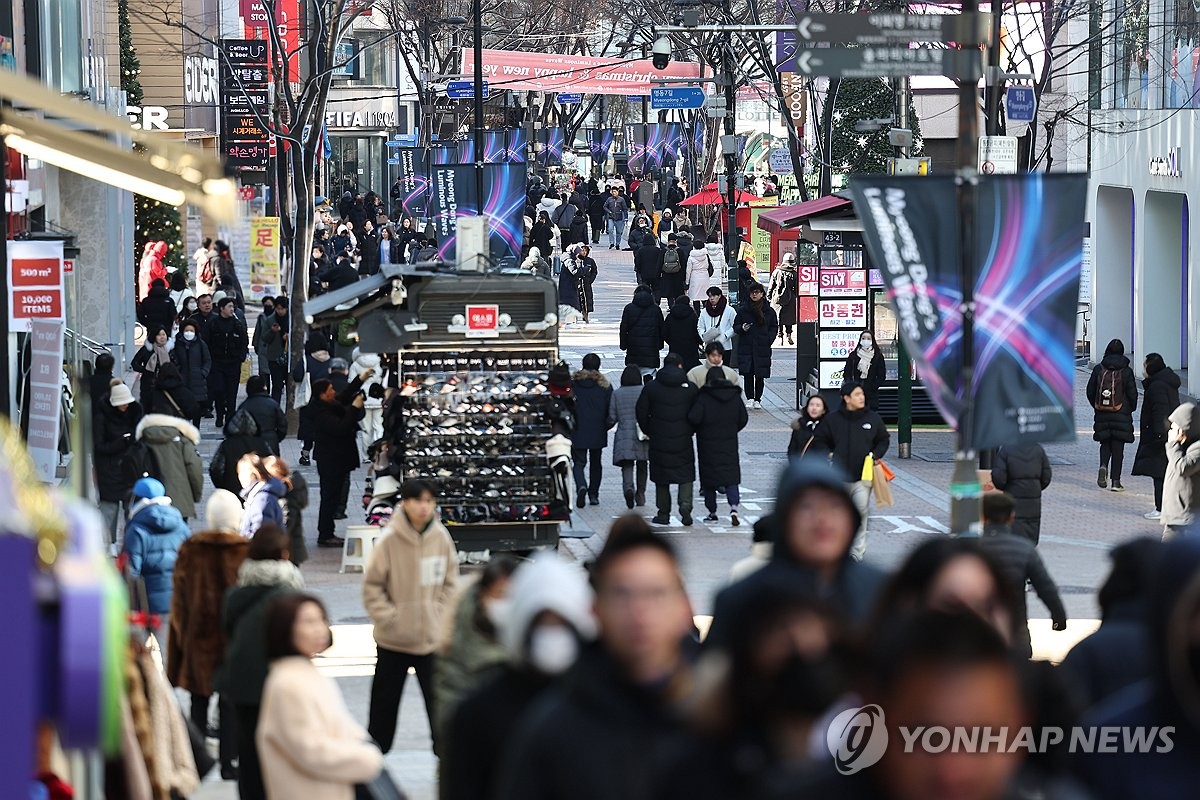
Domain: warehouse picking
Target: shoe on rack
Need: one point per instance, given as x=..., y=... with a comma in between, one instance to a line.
x=629, y=498
x=686, y=519
x=581, y=498
x=332, y=541
x=659, y=519
x=1155, y=514
x=1116, y=487
x=711, y=518
x=1102, y=478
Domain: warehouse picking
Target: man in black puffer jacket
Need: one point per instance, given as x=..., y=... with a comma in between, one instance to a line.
x=850, y=434
x=157, y=309
x=268, y=415
x=647, y=263
x=662, y=412
x=642, y=331
x=228, y=345
x=1024, y=472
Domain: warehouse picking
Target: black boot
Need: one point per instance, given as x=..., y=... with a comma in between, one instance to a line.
x=629, y=496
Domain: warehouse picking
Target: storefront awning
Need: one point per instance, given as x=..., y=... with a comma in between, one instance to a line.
x=778, y=219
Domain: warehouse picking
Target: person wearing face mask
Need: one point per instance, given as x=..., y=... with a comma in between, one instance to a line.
x=192, y=358
x=471, y=654
x=865, y=367
x=547, y=619
x=155, y=353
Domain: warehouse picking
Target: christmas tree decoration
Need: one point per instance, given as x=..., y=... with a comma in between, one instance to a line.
x=862, y=151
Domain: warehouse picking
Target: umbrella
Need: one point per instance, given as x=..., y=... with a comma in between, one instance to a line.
x=710, y=195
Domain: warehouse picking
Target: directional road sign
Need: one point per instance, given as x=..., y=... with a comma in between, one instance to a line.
x=1020, y=103
x=676, y=97
x=569, y=98
x=888, y=28
x=889, y=62
x=464, y=90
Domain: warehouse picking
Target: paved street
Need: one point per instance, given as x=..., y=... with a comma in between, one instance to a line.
x=1081, y=523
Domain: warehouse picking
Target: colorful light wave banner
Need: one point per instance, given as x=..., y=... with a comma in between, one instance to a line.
x=500, y=146
x=599, y=143
x=413, y=174
x=454, y=196
x=548, y=146
x=1029, y=248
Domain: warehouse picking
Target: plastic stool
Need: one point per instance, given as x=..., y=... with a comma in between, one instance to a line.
x=357, y=556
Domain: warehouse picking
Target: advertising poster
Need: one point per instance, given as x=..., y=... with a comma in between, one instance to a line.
x=599, y=142
x=500, y=146
x=548, y=147
x=760, y=239
x=517, y=145
x=413, y=176
x=504, y=199
x=831, y=374
x=807, y=279
x=843, y=314
x=838, y=344
x=35, y=281
x=843, y=282
x=1029, y=248
x=444, y=153
x=264, y=257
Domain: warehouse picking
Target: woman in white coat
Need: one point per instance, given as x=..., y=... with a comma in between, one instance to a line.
x=699, y=277
x=372, y=386
x=308, y=744
x=715, y=322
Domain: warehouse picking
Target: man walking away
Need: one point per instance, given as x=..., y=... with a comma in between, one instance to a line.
x=1019, y=561
x=407, y=589
x=592, y=396
x=335, y=426
x=269, y=416
x=717, y=415
x=852, y=434
x=1112, y=391
x=662, y=413
x=648, y=263
x=1024, y=472
x=642, y=331
x=228, y=345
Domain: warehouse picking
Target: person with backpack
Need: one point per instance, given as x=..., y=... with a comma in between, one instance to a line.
x=1112, y=392
x=674, y=277
x=781, y=293
x=1161, y=397
x=563, y=216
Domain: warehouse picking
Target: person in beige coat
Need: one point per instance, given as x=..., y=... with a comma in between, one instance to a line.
x=308, y=744
x=407, y=588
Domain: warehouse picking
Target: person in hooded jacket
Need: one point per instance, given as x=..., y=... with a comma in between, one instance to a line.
x=266, y=573
x=292, y=504
x=171, y=396
x=153, y=533
x=261, y=494
x=1112, y=392
x=172, y=443
x=1181, y=485
x=850, y=435
x=535, y=264
x=593, y=397
x=241, y=437
x=1168, y=699
x=639, y=232
x=157, y=309
x=662, y=414
x=815, y=520
x=647, y=263
x=781, y=292
x=267, y=413
x=804, y=427
x=192, y=358
x=114, y=424
x=541, y=235
x=547, y=622
x=673, y=281
x=715, y=319
x=865, y=366
x=205, y=569
x=718, y=414
x=1160, y=398
x=1118, y=654
x=571, y=279
x=681, y=332
x=579, y=227
x=100, y=381
x=699, y=277
x=642, y=331
x=755, y=325
x=150, y=267
x=1024, y=472
x=630, y=452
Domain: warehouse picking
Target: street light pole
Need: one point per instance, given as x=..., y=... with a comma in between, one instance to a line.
x=477, y=11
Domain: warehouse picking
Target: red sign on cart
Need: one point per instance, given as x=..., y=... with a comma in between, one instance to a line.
x=483, y=322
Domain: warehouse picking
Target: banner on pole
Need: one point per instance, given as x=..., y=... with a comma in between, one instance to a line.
x=599, y=142
x=548, y=144
x=35, y=283
x=1029, y=241
x=264, y=257
x=412, y=175
x=45, y=388
x=454, y=196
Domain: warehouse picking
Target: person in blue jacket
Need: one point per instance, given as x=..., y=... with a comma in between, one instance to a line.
x=261, y=492
x=153, y=534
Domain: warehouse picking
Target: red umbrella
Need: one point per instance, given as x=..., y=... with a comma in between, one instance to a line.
x=710, y=195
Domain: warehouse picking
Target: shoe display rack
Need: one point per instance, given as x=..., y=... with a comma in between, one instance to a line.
x=475, y=424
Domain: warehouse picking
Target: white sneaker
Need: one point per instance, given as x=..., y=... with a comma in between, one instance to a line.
x=1155, y=514
x=758, y=403
x=114, y=550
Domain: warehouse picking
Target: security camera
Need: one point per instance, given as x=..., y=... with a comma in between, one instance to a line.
x=662, y=52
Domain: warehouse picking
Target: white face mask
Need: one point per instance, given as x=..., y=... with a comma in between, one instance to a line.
x=867, y=342
x=189, y=335
x=553, y=649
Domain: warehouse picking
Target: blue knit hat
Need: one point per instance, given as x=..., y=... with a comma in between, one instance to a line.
x=149, y=488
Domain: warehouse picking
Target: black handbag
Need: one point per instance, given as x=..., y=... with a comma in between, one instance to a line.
x=381, y=787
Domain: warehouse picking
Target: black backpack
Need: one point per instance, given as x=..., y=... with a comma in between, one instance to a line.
x=137, y=463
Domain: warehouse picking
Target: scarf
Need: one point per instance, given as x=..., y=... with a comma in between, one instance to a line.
x=719, y=310
x=160, y=356
x=865, y=356
x=756, y=309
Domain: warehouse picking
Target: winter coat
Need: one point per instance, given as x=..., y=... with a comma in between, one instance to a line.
x=717, y=415
x=152, y=538
x=172, y=397
x=642, y=330
x=1024, y=472
x=1181, y=483
x=850, y=436
x=339, y=276
x=335, y=434
x=638, y=236
x=408, y=585
x=1161, y=397
x=716, y=259
x=754, y=345
x=1114, y=426
x=1116, y=656
x=293, y=504
x=205, y=568
x=204, y=326
x=672, y=284
x=541, y=237
x=698, y=374
x=698, y=277
x=260, y=503
x=359, y=367
x=575, y=283
x=622, y=412
x=876, y=373
x=308, y=743
x=227, y=339
x=241, y=437
x=157, y=310
x=146, y=362
x=804, y=430
x=647, y=263
x=781, y=293
x=579, y=228
x=406, y=239
x=662, y=412
x=273, y=344
x=268, y=416
x=194, y=362
x=243, y=671
x=719, y=327
x=679, y=330
x=368, y=245
x=616, y=208
x=172, y=442
x=112, y=435
x=593, y=396
x=1019, y=562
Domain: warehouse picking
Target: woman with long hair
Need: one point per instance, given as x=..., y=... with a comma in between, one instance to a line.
x=292, y=504
x=755, y=325
x=804, y=427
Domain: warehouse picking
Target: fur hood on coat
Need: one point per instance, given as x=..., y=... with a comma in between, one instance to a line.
x=591, y=374
x=270, y=573
x=185, y=428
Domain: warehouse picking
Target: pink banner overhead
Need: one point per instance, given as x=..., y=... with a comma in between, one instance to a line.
x=549, y=72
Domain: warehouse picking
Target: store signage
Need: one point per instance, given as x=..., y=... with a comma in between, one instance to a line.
x=807, y=278
x=148, y=118
x=483, y=322
x=35, y=278
x=844, y=314
x=200, y=80
x=843, y=282
x=246, y=102
x=243, y=127
x=838, y=344
x=45, y=388
x=832, y=373
x=254, y=15
x=1169, y=167
x=795, y=101
x=264, y=257
x=361, y=119
x=245, y=141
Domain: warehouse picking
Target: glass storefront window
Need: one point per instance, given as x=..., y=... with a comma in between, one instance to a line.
x=841, y=257
x=1131, y=56
x=357, y=164
x=886, y=331
x=1181, y=85
x=376, y=60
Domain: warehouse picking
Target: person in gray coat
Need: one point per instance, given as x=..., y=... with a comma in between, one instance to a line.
x=630, y=452
x=1181, y=486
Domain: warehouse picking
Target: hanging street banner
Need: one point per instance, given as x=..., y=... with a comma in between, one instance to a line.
x=264, y=257
x=412, y=175
x=1030, y=243
x=553, y=72
x=599, y=143
x=454, y=196
x=500, y=146
x=548, y=146
x=45, y=388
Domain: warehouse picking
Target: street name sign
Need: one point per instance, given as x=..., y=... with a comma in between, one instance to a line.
x=569, y=98
x=889, y=62
x=1020, y=104
x=890, y=28
x=676, y=97
x=464, y=90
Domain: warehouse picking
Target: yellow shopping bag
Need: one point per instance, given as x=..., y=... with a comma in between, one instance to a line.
x=868, y=470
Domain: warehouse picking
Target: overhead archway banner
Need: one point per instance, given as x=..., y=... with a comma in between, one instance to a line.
x=553, y=72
